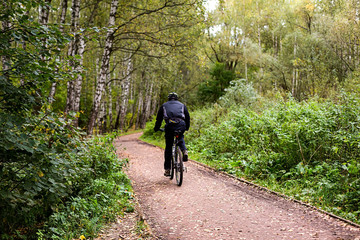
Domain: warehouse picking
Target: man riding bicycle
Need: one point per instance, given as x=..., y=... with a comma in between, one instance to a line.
x=177, y=118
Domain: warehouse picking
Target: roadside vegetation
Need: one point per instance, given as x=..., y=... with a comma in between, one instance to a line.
x=55, y=181
x=65, y=191
x=308, y=150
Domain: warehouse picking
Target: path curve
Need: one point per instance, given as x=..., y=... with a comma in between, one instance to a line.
x=213, y=206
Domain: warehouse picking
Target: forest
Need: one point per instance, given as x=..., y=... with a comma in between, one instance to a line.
x=272, y=88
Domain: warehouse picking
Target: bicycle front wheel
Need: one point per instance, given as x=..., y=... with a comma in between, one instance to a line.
x=179, y=168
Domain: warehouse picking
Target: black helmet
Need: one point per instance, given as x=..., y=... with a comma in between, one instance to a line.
x=173, y=95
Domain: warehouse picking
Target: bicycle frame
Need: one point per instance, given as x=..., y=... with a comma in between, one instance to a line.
x=177, y=165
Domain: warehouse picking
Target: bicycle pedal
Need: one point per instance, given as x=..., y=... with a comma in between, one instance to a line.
x=185, y=169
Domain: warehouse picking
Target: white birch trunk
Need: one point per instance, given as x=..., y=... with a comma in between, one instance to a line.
x=73, y=50
x=148, y=101
x=246, y=66
x=125, y=89
x=64, y=5
x=110, y=113
x=140, y=104
x=44, y=18
x=294, y=72
x=100, y=123
x=104, y=66
x=44, y=13
x=154, y=103
x=147, y=105
x=79, y=79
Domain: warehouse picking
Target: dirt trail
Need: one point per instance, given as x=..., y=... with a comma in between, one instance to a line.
x=212, y=206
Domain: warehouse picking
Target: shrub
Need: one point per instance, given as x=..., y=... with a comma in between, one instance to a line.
x=240, y=92
x=103, y=193
x=309, y=150
x=48, y=166
x=312, y=146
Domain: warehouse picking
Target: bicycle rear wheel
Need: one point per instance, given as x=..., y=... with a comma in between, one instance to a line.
x=179, y=168
x=172, y=165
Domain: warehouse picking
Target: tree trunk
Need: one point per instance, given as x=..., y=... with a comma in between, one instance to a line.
x=133, y=105
x=101, y=122
x=245, y=58
x=110, y=113
x=64, y=6
x=79, y=79
x=105, y=62
x=125, y=87
x=258, y=27
x=22, y=80
x=147, y=104
x=44, y=13
x=5, y=60
x=44, y=19
x=154, y=106
x=74, y=48
x=294, y=80
x=140, y=103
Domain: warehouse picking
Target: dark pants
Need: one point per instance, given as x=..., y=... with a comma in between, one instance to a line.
x=169, y=139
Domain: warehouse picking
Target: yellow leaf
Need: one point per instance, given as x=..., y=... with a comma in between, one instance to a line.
x=310, y=7
x=40, y=173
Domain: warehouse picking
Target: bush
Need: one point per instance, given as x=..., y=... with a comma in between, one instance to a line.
x=212, y=89
x=103, y=193
x=309, y=150
x=49, y=166
x=240, y=92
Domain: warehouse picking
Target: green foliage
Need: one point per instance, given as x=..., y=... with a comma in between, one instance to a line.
x=214, y=88
x=239, y=92
x=46, y=165
x=102, y=195
x=29, y=51
x=308, y=150
x=150, y=135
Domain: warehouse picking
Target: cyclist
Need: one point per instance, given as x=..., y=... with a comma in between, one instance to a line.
x=176, y=117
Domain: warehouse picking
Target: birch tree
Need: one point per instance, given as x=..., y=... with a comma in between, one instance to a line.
x=64, y=6
x=147, y=102
x=105, y=62
x=44, y=11
x=125, y=90
x=140, y=103
x=74, y=48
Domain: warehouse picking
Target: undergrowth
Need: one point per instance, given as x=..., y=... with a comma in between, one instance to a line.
x=57, y=184
x=309, y=150
x=103, y=193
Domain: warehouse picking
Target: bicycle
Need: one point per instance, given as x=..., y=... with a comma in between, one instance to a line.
x=177, y=164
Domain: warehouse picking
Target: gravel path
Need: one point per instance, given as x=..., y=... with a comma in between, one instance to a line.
x=212, y=206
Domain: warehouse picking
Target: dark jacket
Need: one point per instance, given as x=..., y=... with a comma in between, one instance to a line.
x=172, y=111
